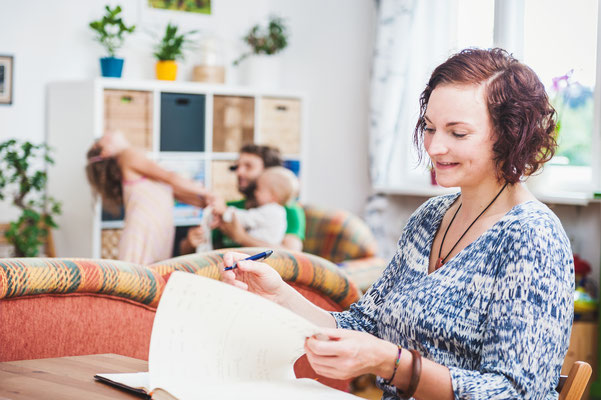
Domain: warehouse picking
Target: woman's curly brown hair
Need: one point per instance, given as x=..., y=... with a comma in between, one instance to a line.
x=105, y=178
x=523, y=120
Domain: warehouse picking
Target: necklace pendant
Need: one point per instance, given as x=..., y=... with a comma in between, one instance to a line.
x=438, y=263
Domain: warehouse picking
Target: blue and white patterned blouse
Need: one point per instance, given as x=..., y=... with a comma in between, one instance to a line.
x=498, y=314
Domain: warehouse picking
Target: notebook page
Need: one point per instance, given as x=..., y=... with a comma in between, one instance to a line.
x=298, y=389
x=207, y=332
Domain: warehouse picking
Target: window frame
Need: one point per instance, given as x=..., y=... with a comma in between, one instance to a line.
x=559, y=184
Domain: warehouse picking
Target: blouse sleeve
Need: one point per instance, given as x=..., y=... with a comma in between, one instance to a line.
x=528, y=322
x=362, y=315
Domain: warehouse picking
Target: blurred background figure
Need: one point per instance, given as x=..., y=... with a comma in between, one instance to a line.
x=276, y=187
x=124, y=177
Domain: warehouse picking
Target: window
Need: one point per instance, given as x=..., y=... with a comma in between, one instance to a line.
x=475, y=21
x=560, y=44
x=558, y=40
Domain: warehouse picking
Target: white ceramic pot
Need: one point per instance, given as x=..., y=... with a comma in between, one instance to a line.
x=260, y=71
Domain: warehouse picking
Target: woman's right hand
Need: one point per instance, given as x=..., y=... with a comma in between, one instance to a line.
x=256, y=277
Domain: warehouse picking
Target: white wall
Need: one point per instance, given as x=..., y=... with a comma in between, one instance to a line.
x=328, y=59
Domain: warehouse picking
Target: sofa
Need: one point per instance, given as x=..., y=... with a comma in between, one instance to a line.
x=54, y=307
x=344, y=239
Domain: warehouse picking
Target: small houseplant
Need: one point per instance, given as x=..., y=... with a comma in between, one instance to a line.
x=270, y=40
x=110, y=32
x=260, y=67
x=170, y=49
x=22, y=173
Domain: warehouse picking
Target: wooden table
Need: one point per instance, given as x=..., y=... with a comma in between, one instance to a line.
x=65, y=377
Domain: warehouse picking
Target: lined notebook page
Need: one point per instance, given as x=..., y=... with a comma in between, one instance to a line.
x=209, y=333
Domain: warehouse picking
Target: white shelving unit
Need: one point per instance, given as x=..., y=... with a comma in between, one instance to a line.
x=80, y=111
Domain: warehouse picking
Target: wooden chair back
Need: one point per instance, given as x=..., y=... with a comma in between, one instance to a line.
x=572, y=386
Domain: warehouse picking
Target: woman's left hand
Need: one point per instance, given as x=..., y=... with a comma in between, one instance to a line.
x=350, y=353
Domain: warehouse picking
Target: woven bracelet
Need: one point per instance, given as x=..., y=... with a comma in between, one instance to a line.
x=396, y=365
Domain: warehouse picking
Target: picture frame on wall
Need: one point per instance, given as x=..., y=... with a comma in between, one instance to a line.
x=193, y=6
x=154, y=15
x=6, y=80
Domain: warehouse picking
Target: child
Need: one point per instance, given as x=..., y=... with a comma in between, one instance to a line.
x=275, y=187
x=124, y=176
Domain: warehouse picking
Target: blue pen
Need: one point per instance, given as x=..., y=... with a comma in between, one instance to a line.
x=254, y=257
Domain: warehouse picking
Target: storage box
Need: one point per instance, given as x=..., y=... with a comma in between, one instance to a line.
x=130, y=112
x=223, y=181
x=280, y=123
x=182, y=122
x=233, y=122
x=109, y=245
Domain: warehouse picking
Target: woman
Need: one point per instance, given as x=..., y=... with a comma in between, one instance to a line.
x=477, y=302
x=123, y=176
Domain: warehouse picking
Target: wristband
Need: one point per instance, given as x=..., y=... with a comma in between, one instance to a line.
x=396, y=365
x=416, y=371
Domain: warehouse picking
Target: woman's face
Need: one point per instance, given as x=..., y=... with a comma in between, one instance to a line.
x=458, y=136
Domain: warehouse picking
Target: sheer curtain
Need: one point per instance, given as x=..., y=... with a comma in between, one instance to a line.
x=412, y=38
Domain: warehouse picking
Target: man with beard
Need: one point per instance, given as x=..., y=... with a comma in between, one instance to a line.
x=252, y=161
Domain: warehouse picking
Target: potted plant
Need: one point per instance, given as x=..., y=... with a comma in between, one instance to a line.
x=22, y=171
x=110, y=32
x=170, y=49
x=261, y=68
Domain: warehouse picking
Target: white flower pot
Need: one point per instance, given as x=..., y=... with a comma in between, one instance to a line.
x=261, y=71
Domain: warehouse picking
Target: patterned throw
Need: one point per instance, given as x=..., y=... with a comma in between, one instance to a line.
x=34, y=276
x=346, y=240
x=294, y=267
x=337, y=235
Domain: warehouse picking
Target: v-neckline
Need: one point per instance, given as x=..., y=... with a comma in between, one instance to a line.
x=460, y=253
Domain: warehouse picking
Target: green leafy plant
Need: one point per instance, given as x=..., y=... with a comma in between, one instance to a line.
x=269, y=40
x=21, y=170
x=574, y=103
x=110, y=30
x=171, y=46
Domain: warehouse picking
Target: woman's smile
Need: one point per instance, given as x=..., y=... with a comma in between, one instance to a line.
x=441, y=165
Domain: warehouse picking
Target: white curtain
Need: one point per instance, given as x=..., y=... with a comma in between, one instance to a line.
x=412, y=38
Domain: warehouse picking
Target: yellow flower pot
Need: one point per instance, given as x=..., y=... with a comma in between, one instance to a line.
x=166, y=70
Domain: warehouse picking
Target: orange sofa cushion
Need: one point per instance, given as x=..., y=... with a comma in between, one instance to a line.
x=74, y=324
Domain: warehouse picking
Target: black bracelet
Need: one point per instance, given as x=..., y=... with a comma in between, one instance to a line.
x=396, y=365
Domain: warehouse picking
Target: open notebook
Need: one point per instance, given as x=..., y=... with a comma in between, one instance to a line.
x=212, y=340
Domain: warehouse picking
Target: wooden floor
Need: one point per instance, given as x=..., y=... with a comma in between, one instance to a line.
x=371, y=393
x=365, y=386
